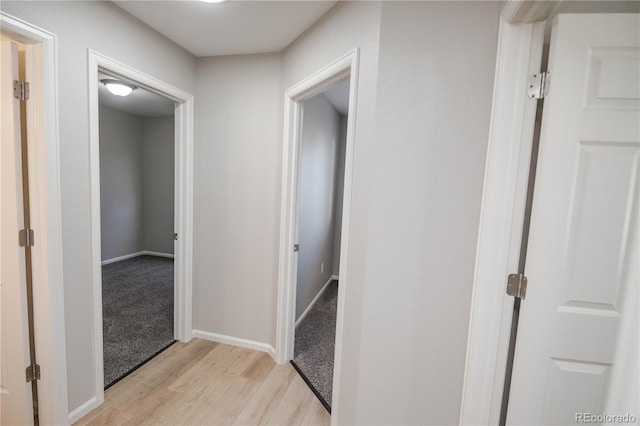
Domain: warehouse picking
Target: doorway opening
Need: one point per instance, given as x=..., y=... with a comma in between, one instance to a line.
x=137, y=218
x=291, y=308
x=321, y=188
x=171, y=208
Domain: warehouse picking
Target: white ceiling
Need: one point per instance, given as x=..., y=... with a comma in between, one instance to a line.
x=140, y=102
x=232, y=28
x=338, y=96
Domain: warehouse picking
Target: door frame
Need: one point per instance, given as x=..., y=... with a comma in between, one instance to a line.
x=340, y=69
x=46, y=215
x=183, y=204
x=519, y=54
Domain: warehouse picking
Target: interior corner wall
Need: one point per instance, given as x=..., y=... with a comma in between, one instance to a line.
x=317, y=198
x=80, y=26
x=434, y=91
x=158, y=181
x=237, y=195
x=121, y=186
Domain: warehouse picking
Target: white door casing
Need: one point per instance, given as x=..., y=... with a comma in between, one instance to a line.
x=340, y=69
x=183, y=214
x=15, y=392
x=44, y=193
x=578, y=334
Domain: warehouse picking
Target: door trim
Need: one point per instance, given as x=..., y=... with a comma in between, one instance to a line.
x=340, y=69
x=183, y=217
x=46, y=215
x=501, y=220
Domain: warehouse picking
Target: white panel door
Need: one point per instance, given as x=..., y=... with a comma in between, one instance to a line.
x=15, y=392
x=577, y=344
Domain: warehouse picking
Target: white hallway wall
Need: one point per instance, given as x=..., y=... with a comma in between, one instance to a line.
x=103, y=27
x=434, y=95
x=237, y=195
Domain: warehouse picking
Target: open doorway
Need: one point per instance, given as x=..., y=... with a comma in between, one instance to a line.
x=182, y=234
x=321, y=187
x=137, y=196
x=298, y=103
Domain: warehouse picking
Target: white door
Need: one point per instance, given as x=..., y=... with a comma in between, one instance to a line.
x=577, y=345
x=15, y=401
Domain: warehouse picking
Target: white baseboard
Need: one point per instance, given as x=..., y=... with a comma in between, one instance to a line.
x=83, y=410
x=235, y=341
x=140, y=253
x=157, y=253
x=315, y=299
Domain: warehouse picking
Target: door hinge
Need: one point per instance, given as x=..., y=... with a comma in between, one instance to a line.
x=25, y=238
x=20, y=90
x=538, y=85
x=517, y=285
x=175, y=236
x=296, y=247
x=33, y=373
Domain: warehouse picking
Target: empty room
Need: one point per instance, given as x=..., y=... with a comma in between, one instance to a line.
x=137, y=222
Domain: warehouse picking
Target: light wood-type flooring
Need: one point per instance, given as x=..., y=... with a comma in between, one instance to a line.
x=206, y=383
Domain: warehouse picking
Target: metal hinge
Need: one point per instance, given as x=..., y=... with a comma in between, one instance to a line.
x=175, y=236
x=33, y=373
x=517, y=285
x=25, y=238
x=20, y=90
x=296, y=247
x=538, y=86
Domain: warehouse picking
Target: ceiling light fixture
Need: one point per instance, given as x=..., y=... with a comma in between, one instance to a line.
x=117, y=87
x=214, y=1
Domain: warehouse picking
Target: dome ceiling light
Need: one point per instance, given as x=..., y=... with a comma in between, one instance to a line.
x=117, y=87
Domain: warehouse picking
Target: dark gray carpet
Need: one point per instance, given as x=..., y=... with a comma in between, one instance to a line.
x=137, y=312
x=315, y=344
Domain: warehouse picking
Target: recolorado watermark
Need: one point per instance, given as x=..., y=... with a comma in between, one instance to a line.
x=606, y=418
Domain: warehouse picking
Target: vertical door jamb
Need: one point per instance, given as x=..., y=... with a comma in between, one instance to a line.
x=501, y=219
x=44, y=178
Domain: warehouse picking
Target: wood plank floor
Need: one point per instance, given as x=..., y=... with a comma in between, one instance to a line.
x=206, y=383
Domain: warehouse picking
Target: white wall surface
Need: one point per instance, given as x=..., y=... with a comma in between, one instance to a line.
x=121, y=186
x=317, y=200
x=435, y=80
x=237, y=195
x=105, y=28
x=158, y=163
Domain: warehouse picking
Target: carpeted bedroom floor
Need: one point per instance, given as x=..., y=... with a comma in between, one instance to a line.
x=315, y=345
x=137, y=313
